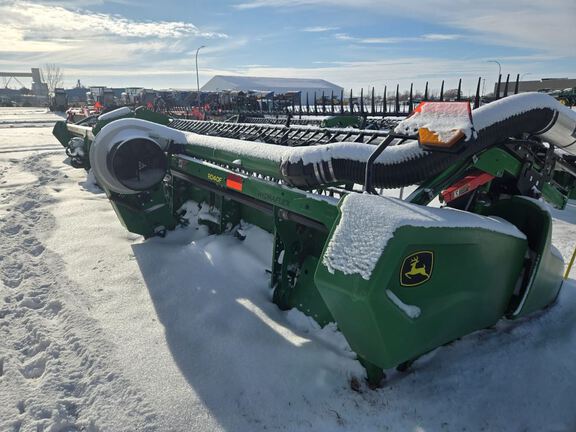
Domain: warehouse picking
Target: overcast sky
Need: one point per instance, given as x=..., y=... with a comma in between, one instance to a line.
x=353, y=43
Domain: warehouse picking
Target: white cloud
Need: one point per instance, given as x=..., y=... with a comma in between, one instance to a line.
x=358, y=74
x=547, y=26
x=13, y=40
x=436, y=37
x=254, y=66
x=75, y=4
x=344, y=37
x=385, y=40
x=440, y=37
x=113, y=50
x=319, y=29
x=179, y=72
x=88, y=44
x=406, y=70
x=40, y=22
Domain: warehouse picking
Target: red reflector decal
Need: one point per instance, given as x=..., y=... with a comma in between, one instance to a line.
x=467, y=184
x=234, y=181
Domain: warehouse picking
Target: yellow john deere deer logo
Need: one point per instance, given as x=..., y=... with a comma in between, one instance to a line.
x=416, y=268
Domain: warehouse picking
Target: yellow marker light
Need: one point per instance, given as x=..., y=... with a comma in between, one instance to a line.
x=429, y=138
x=439, y=124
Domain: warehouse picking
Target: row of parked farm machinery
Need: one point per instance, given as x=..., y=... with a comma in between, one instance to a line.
x=271, y=107
x=398, y=276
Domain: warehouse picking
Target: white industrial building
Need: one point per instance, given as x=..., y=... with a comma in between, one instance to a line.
x=544, y=84
x=305, y=86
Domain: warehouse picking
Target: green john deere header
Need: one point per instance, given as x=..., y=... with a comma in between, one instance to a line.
x=398, y=277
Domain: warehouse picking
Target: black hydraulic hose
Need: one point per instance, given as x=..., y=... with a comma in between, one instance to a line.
x=421, y=165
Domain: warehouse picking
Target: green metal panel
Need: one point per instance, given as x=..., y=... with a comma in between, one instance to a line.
x=546, y=284
x=297, y=248
x=148, y=213
x=264, y=167
x=430, y=189
x=65, y=131
x=494, y=161
x=497, y=161
x=342, y=121
x=567, y=182
x=460, y=296
x=312, y=206
x=140, y=113
x=554, y=196
x=543, y=278
x=255, y=217
x=129, y=207
x=223, y=215
x=156, y=117
x=60, y=131
x=295, y=258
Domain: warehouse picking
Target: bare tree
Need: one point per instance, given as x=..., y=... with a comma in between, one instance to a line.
x=53, y=76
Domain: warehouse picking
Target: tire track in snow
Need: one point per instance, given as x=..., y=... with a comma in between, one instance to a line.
x=55, y=370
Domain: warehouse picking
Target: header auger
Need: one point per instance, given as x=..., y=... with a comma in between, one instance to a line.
x=398, y=277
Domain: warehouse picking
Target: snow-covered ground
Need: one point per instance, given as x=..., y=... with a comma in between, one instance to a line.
x=102, y=331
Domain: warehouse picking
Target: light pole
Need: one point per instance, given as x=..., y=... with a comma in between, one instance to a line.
x=499, y=74
x=499, y=66
x=197, y=77
x=525, y=73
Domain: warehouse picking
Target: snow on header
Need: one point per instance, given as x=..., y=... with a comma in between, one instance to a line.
x=252, y=149
x=126, y=128
x=510, y=106
x=368, y=222
x=354, y=151
x=445, y=119
x=313, y=154
x=410, y=310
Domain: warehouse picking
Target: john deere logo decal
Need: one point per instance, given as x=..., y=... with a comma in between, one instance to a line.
x=416, y=268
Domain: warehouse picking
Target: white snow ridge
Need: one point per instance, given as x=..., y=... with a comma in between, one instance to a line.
x=368, y=222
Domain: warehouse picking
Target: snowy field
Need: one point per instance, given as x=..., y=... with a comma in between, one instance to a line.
x=102, y=331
